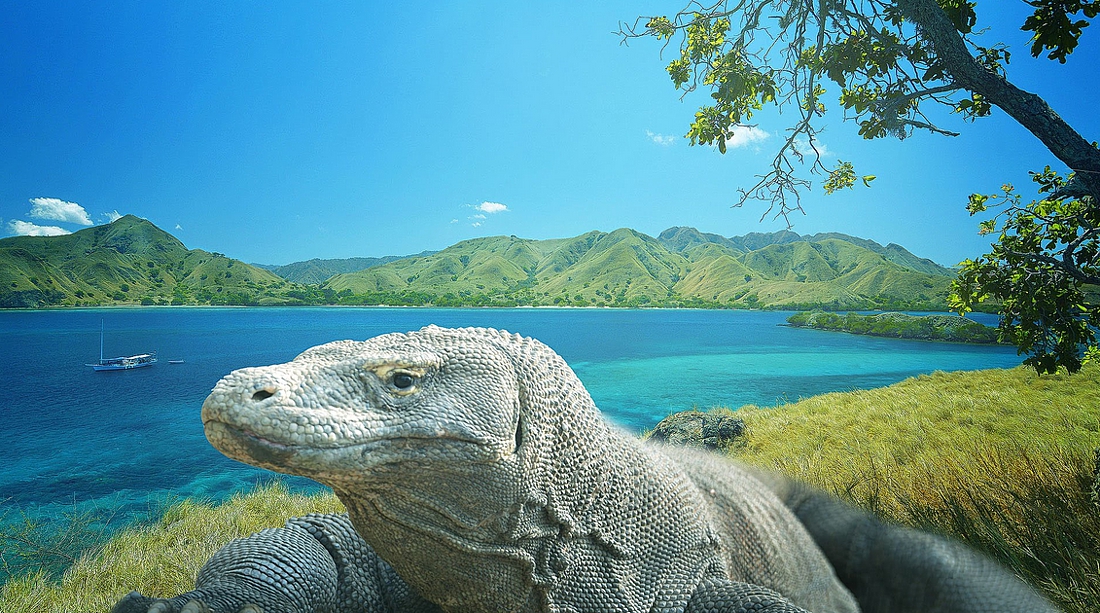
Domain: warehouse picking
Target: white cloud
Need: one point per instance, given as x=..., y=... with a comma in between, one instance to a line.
x=113, y=216
x=802, y=146
x=59, y=210
x=26, y=228
x=743, y=136
x=491, y=207
x=660, y=139
x=485, y=209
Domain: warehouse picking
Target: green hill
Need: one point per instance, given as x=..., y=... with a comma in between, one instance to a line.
x=681, y=239
x=682, y=267
x=129, y=261
x=317, y=271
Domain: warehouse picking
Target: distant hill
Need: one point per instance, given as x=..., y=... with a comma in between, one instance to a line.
x=681, y=267
x=317, y=271
x=129, y=261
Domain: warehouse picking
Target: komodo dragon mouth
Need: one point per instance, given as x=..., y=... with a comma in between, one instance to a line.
x=255, y=444
x=243, y=444
x=249, y=446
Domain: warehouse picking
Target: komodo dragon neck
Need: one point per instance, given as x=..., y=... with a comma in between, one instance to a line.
x=566, y=510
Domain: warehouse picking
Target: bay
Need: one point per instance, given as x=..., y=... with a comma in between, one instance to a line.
x=132, y=440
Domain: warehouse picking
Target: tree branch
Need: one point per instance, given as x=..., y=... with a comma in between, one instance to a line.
x=1031, y=111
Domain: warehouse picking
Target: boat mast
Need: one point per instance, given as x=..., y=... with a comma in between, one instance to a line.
x=101, y=341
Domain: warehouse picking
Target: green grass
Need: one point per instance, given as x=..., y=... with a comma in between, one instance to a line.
x=1003, y=459
x=131, y=261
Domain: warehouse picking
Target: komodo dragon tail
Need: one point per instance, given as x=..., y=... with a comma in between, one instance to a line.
x=889, y=568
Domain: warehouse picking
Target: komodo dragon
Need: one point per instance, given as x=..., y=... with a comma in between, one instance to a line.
x=478, y=475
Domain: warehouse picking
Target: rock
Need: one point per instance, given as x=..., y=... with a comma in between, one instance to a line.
x=699, y=429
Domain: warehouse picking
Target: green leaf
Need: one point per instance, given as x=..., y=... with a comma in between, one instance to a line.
x=841, y=177
x=976, y=204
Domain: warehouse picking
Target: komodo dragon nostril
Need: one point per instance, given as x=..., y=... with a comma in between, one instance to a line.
x=263, y=394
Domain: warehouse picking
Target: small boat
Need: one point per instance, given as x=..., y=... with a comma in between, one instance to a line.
x=126, y=363
x=175, y=361
x=121, y=363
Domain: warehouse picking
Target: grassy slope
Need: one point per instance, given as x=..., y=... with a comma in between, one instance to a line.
x=904, y=430
x=317, y=271
x=1001, y=458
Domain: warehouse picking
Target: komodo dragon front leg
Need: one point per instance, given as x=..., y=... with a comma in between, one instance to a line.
x=318, y=563
x=314, y=563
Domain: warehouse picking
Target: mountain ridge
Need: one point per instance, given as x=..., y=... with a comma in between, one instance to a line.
x=131, y=261
x=680, y=267
x=316, y=270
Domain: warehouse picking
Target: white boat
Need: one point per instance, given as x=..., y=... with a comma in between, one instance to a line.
x=121, y=363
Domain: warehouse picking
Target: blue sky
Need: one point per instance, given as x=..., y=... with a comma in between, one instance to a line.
x=278, y=132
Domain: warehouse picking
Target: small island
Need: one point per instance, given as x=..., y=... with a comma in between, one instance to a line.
x=949, y=328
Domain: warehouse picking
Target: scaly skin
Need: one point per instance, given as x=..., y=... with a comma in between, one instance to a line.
x=479, y=476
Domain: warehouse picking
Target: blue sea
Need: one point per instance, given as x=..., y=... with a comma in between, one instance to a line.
x=132, y=440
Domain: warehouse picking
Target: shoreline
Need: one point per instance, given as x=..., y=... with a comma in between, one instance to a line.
x=777, y=309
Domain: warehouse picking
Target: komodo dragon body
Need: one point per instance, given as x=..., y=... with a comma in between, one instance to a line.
x=478, y=475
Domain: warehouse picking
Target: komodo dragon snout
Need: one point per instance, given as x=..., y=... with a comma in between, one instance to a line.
x=339, y=410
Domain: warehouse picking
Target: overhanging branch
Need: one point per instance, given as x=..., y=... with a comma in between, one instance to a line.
x=1030, y=110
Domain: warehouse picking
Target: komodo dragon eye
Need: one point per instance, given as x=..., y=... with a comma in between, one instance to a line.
x=403, y=380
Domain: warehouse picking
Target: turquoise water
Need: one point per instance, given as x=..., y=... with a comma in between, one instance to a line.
x=133, y=439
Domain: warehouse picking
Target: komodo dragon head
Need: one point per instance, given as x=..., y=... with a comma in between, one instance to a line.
x=344, y=410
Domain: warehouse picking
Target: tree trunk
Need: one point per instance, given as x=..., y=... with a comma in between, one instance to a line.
x=1029, y=110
